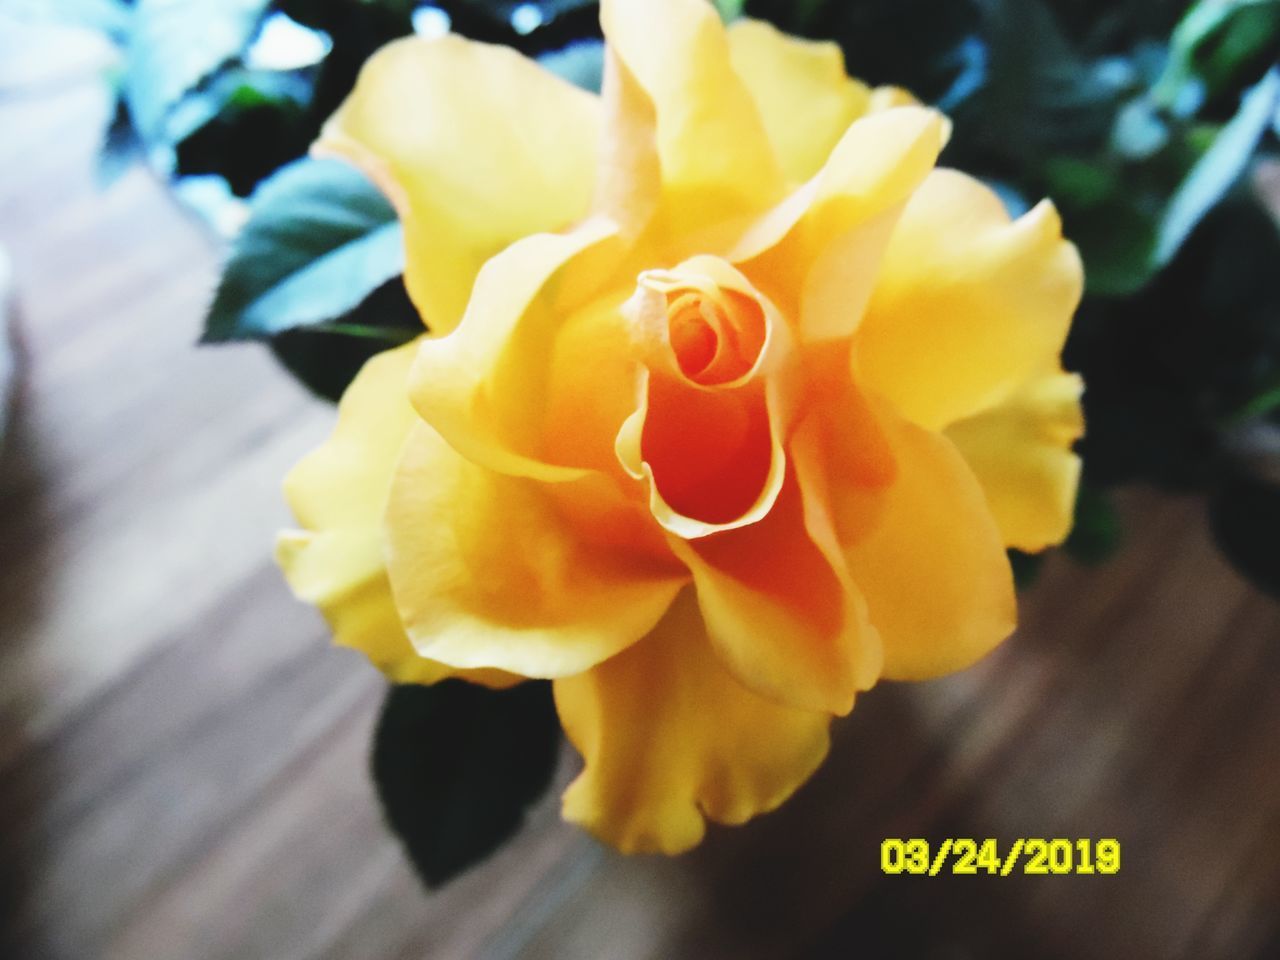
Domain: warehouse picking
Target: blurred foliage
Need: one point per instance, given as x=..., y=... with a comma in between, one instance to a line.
x=1143, y=119
x=1245, y=513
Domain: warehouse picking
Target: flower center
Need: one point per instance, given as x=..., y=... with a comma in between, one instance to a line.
x=693, y=324
x=716, y=335
x=707, y=432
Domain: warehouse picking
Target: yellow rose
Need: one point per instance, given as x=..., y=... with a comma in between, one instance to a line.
x=731, y=404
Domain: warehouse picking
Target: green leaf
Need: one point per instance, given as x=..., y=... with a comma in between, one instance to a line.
x=1244, y=513
x=326, y=357
x=1219, y=168
x=1233, y=30
x=235, y=89
x=1115, y=241
x=730, y=9
x=176, y=44
x=457, y=765
x=581, y=63
x=1040, y=96
x=1081, y=183
x=1026, y=568
x=1096, y=533
x=319, y=239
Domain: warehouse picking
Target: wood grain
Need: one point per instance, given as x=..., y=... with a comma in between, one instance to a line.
x=183, y=758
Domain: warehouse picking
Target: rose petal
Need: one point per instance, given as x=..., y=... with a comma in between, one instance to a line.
x=714, y=154
x=339, y=492
x=780, y=607
x=669, y=737
x=800, y=87
x=629, y=179
x=968, y=304
x=488, y=572
x=485, y=387
x=476, y=146
x=927, y=555
x=1021, y=453
x=709, y=447
x=817, y=254
x=344, y=573
x=713, y=461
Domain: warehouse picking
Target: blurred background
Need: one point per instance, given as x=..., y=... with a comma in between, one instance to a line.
x=184, y=760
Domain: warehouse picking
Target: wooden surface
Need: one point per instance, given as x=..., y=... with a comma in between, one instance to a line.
x=183, y=759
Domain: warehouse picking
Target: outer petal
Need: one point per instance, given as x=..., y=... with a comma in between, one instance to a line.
x=928, y=556
x=781, y=610
x=800, y=87
x=1021, y=454
x=669, y=737
x=343, y=572
x=487, y=571
x=477, y=146
x=338, y=493
x=968, y=305
x=818, y=252
x=713, y=151
x=487, y=386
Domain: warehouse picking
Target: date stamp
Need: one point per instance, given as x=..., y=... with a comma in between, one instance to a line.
x=1029, y=855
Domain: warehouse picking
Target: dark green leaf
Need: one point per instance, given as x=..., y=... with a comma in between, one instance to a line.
x=319, y=240
x=1212, y=42
x=1080, y=183
x=176, y=44
x=243, y=126
x=912, y=43
x=1244, y=512
x=1170, y=368
x=234, y=90
x=1096, y=534
x=1115, y=240
x=1040, y=96
x=326, y=357
x=457, y=765
x=1219, y=168
x=1026, y=568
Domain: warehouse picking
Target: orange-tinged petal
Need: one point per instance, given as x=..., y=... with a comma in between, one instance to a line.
x=339, y=493
x=476, y=146
x=1021, y=453
x=714, y=398
x=818, y=252
x=800, y=87
x=926, y=553
x=713, y=151
x=487, y=571
x=712, y=459
x=780, y=607
x=968, y=304
x=485, y=386
x=671, y=739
